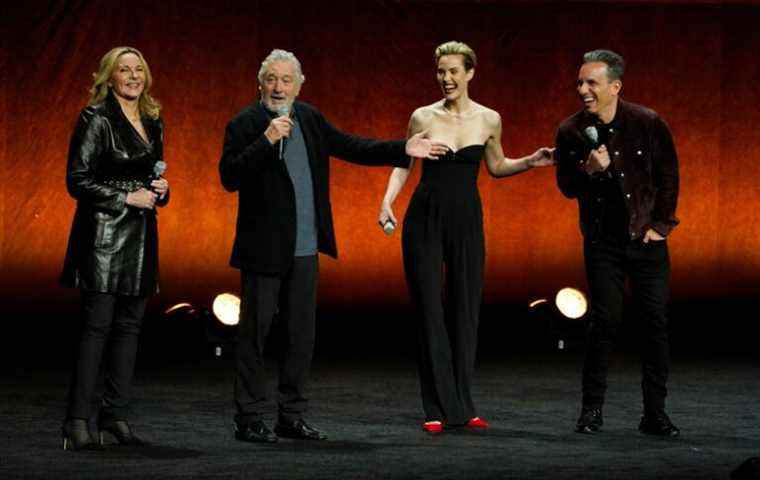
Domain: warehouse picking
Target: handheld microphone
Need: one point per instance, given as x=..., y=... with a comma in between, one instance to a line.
x=591, y=134
x=158, y=170
x=283, y=111
x=389, y=227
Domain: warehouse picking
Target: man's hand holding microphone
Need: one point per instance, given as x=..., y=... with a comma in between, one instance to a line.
x=279, y=128
x=598, y=160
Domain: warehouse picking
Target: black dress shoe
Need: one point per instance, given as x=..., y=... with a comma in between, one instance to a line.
x=590, y=421
x=76, y=436
x=298, y=429
x=255, y=432
x=658, y=424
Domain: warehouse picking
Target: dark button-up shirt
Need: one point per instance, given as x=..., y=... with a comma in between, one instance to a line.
x=643, y=162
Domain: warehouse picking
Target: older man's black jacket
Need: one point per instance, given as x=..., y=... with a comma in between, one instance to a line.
x=645, y=165
x=250, y=164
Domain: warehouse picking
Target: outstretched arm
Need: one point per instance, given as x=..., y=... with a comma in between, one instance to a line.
x=500, y=166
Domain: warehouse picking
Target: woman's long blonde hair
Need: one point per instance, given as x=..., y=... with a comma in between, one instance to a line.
x=147, y=104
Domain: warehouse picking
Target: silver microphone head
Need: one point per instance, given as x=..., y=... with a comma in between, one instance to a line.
x=283, y=110
x=389, y=227
x=159, y=168
x=592, y=134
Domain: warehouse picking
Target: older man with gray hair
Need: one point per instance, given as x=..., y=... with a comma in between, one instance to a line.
x=276, y=155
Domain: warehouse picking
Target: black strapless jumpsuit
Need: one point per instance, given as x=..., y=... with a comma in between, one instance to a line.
x=444, y=254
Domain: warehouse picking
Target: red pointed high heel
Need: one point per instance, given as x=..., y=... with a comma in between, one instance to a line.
x=477, y=422
x=433, y=427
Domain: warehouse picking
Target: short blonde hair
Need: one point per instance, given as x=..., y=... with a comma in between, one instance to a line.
x=457, y=48
x=147, y=104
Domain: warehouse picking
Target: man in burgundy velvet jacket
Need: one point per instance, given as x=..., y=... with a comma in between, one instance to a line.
x=618, y=159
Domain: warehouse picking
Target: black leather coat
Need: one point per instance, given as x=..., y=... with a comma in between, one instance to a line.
x=113, y=247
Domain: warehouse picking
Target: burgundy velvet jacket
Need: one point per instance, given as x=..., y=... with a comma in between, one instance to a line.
x=645, y=164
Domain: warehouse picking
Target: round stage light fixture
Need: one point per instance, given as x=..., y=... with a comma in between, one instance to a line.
x=571, y=302
x=226, y=308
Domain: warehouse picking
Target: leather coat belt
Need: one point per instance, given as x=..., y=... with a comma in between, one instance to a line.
x=128, y=185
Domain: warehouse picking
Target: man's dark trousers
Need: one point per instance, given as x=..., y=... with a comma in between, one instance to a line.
x=647, y=266
x=292, y=297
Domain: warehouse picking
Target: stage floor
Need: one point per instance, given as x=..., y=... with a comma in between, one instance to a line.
x=370, y=408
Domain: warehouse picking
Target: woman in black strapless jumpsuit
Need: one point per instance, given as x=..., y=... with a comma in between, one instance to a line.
x=443, y=242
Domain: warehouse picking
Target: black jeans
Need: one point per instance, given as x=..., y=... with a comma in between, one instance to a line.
x=293, y=297
x=113, y=320
x=647, y=266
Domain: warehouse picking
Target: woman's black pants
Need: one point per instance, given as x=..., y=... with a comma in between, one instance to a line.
x=110, y=323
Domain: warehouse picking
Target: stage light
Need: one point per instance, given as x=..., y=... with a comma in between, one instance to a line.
x=180, y=308
x=226, y=308
x=571, y=303
x=556, y=323
x=538, y=302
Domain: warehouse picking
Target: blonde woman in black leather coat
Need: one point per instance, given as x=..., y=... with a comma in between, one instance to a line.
x=114, y=171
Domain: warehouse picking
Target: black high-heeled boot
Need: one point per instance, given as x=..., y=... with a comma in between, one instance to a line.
x=76, y=435
x=119, y=429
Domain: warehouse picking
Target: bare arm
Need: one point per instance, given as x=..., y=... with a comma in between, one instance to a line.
x=398, y=177
x=500, y=166
x=396, y=182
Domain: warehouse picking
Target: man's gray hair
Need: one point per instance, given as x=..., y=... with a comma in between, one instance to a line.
x=615, y=63
x=278, y=55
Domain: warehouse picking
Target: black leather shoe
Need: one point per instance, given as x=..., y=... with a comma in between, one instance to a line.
x=298, y=429
x=76, y=436
x=658, y=424
x=120, y=430
x=590, y=421
x=255, y=432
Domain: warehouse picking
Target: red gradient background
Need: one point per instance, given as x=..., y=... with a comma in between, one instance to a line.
x=368, y=65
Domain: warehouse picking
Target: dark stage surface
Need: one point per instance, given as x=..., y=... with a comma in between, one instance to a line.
x=371, y=410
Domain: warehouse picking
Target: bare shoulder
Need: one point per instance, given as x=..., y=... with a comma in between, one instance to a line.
x=427, y=112
x=490, y=117
x=422, y=117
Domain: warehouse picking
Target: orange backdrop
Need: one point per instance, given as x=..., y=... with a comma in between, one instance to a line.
x=368, y=65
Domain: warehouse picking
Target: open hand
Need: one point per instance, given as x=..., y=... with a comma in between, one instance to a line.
x=418, y=146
